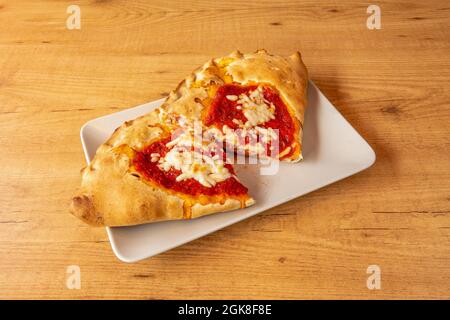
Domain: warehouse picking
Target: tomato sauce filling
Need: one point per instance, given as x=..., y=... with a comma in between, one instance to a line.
x=167, y=179
x=222, y=112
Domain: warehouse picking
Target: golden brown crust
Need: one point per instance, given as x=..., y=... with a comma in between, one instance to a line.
x=288, y=75
x=113, y=194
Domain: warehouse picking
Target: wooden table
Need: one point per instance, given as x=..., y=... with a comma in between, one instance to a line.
x=391, y=84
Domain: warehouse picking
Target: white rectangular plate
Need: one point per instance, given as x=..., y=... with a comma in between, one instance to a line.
x=332, y=150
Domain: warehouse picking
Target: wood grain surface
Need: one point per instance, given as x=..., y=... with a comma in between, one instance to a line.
x=391, y=84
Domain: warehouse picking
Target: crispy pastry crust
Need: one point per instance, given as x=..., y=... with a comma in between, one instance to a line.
x=113, y=194
x=288, y=75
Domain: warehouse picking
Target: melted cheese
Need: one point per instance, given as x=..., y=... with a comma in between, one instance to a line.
x=192, y=157
x=259, y=139
x=256, y=109
x=191, y=151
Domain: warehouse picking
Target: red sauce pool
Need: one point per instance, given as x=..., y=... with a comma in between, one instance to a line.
x=222, y=112
x=191, y=186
